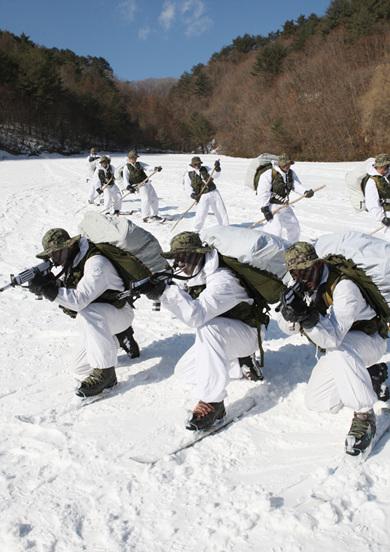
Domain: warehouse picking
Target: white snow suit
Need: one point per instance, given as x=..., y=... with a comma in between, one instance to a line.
x=208, y=202
x=340, y=377
x=98, y=323
x=111, y=193
x=219, y=341
x=148, y=196
x=373, y=203
x=284, y=223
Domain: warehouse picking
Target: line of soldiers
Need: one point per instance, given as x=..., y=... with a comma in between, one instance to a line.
x=333, y=314
x=198, y=182
x=330, y=310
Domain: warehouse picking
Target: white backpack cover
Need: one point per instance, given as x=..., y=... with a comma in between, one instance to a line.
x=126, y=235
x=259, y=161
x=353, y=180
x=369, y=253
x=249, y=246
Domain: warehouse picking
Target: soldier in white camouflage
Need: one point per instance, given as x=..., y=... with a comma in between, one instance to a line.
x=274, y=188
x=376, y=187
x=333, y=312
x=199, y=184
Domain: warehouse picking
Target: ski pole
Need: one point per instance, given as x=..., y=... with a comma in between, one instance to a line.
x=286, y=205
x=195, y=202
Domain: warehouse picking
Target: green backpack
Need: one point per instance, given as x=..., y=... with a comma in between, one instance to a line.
x=368, y=288
x=264, y=287
x=260, y=170
x=128, y=266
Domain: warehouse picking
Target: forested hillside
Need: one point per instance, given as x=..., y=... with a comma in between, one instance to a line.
x=319, y=87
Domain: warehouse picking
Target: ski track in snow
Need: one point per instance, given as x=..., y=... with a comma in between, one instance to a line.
x=67, y=483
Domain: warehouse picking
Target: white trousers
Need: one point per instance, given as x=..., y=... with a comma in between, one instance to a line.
x=212, y=201
x=112, y=198
x=98, y=348
x=340, y=378
x=149, y=200
x=284, y=224
x=213, y=359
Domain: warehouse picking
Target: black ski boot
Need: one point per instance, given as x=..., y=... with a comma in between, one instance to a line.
x=250, y=368
x=128, y=343
x=101, y=378
x=379, y=374
x=361, y=433
x=205, y=415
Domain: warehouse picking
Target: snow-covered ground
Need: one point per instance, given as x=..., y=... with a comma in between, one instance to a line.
x=67, y=482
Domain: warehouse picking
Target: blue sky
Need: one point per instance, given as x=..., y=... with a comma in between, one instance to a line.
x=149, y=38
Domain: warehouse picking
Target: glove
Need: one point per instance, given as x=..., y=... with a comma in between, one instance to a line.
x=267, y=213
x=311, y=320
x=217, y=166
x=294, y=308
x=293, y=305
x=386, y=221
x=194, y=196
x=99, y=191
x=308, y=193
x=131, y=188
x=152, y=287
x=158, y=169
x=204, y=171
x=44, y=284
x=156, y=291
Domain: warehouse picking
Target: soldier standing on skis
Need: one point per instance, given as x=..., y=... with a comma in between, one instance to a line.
x=274, y=188
x=332, y=312
x=220, y=310
x=136, y=180
x=104, y=183
x=199, y=183
x=86, y=290
x=377, y=192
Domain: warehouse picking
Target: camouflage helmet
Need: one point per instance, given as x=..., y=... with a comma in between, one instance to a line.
x=132, y=154
x=105, y=159
x=382, y=160
x=284, y=159
x=300, y=255
x=195, y=160
x=186, y=242
x=55, y=239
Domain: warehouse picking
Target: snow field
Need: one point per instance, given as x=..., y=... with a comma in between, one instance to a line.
x=67, y=482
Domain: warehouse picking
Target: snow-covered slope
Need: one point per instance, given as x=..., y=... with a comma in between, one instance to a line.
x=67, y=482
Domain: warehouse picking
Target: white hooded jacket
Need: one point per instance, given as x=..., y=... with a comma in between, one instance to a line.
x=223, y=292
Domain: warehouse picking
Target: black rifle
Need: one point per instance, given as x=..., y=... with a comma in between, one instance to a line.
x=27, y=275
x=292, y=303
x=137, y=287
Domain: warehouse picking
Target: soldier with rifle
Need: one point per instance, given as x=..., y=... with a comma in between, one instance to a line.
x=87, y=290
x=329, y=304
